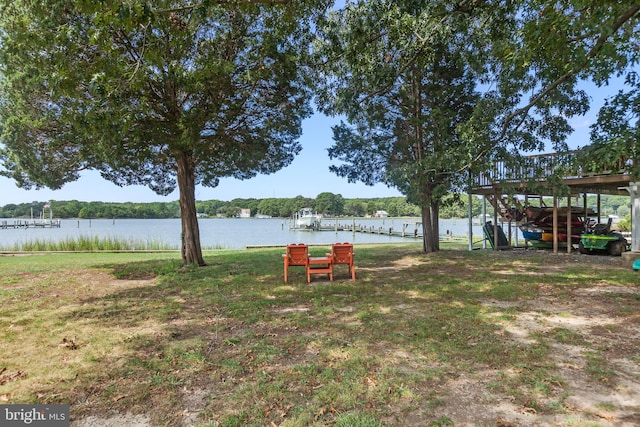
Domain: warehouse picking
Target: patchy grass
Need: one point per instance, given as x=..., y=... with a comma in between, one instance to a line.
x=452, y=338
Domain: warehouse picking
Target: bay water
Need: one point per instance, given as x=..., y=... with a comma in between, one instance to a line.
x=230, y=233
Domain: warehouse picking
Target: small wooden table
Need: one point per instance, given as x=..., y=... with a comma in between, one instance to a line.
x=320, y=265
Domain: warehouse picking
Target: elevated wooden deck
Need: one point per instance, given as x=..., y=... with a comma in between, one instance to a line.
x=542, y=175
x=530, y=177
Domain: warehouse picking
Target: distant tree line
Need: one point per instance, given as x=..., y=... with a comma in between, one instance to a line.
x=77, y=209
x=326, y=203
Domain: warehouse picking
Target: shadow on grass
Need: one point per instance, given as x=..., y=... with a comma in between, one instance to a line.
x=262, y=351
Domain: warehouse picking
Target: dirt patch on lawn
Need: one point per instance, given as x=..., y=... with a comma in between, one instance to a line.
x=597, y=363
x=595, y=335
x=610, y=398
x=592, y=332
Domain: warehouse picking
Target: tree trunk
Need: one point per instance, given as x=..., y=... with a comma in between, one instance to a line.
x=426, y=226
x=435, y=220
x=430, y=226
x=191, y=249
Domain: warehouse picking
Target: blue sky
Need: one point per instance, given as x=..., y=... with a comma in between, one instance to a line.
x=307, y=176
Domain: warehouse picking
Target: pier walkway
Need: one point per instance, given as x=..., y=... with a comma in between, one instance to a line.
x=30, y=223
x=410, y=230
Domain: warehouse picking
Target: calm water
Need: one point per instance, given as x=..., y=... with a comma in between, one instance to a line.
x=228, y=233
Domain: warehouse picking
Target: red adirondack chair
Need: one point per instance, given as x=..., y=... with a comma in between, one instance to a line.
x=342, y=253
x=297, y=255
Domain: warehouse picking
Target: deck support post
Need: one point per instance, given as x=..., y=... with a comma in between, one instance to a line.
x=495, y=222
x=470, y=215
x=484, y=217
x=634, y=192
x=555, y=224
x=569, y=225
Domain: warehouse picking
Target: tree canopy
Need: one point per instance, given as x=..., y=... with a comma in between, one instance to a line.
x=175, y=93
x=405, y=77
x=164, y=93
x=616, y=134
x=435, y=92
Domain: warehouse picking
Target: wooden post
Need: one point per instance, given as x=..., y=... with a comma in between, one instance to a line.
x=569, y=224
x=484, y=217
x=586, y=218
x=634, y=193
x=495, y=222
x=470, y=215
x=555, y=224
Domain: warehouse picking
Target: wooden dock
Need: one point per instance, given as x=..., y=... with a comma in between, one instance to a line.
x=415, y=233
x=30, y=223
x=410, y=230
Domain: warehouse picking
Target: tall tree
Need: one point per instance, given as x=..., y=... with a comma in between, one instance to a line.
x=165, y=93
x=526, y=58
x=408, y=91
x=408, y=137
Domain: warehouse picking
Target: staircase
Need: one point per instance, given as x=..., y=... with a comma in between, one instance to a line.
x=504, y=205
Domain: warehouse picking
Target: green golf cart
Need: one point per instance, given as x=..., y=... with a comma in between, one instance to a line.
x=599, y=239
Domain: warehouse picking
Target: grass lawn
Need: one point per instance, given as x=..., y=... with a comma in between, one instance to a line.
x=455, y=338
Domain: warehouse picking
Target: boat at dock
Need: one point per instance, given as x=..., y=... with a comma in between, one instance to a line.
x=306, y=219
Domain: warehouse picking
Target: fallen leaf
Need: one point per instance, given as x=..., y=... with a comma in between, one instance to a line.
x=503, y=423
x=605, y=416
x=5, y=378
x=68, y=344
